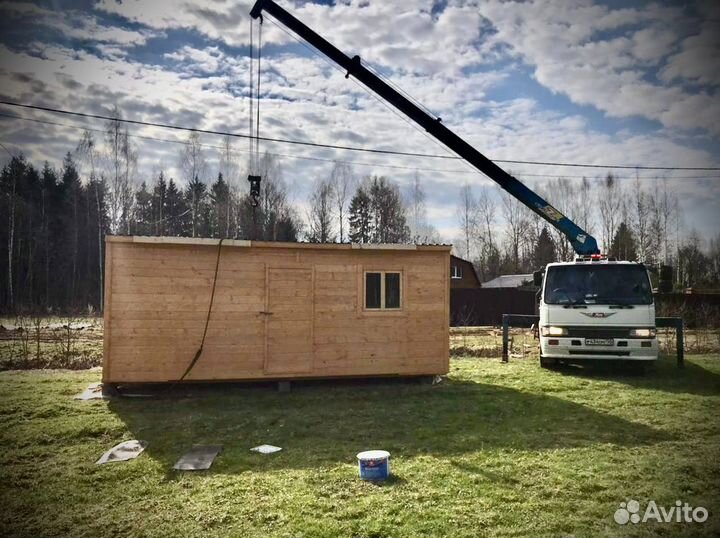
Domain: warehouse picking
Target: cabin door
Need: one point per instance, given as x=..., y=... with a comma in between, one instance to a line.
x=289, y=321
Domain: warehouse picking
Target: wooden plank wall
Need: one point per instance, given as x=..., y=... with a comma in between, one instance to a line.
x=311, y=324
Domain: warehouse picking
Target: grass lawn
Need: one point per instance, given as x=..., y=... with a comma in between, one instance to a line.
x=495, y=450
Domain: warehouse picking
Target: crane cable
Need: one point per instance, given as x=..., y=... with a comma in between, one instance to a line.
x=198, y=353
x=257, y=104
x=251, y=101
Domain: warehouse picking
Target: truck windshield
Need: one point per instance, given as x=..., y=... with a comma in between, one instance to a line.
x=597, y=284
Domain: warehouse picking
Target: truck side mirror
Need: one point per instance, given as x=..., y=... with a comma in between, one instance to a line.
x=538, y=278
x=665, y=281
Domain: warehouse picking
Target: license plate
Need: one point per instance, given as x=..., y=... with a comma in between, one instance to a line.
x=599, y=341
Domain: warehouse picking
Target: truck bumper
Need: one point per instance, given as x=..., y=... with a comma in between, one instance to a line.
x=576, y=349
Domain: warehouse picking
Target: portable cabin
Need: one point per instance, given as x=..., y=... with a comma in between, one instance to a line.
x=279, y=310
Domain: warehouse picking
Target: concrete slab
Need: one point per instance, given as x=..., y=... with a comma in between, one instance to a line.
x=127, y=450
x=198, y=458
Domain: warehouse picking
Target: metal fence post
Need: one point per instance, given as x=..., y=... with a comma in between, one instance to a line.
x=505, y=322
x=680, y=339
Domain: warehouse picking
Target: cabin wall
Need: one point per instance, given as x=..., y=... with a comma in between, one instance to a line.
x=278, y=312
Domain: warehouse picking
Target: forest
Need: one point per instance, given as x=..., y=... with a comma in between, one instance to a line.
x=54, y=219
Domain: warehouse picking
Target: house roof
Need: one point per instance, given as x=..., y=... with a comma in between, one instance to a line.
x=508, y=281
x=165, y=240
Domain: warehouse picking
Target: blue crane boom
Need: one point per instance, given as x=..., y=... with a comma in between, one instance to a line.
x=582, y=242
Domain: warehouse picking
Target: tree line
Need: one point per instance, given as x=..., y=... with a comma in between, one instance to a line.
x=631, y=221
x=54, y=220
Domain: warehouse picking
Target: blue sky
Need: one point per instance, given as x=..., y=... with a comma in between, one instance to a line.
x=569, y=81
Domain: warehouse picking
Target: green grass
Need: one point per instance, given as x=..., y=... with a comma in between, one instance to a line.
x=495, y=450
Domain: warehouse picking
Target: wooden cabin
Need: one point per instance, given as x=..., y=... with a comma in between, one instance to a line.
x=279, y=311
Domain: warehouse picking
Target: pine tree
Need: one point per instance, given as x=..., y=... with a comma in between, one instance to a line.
x=361, y=225
x=388, y=212
x=71, y=192
x=175, y=212
x=159, y=201
x=624, y=246
x=97, y=201
x=143, y=214
x=220, y=213
x=49, y=229
x=320, y=214
x=196, y=199
x=544, y=252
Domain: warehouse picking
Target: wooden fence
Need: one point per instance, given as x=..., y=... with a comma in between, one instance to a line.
x=486, y=306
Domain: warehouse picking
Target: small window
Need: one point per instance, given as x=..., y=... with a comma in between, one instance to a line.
x=373, y=290
x=382, y=290
x=456, y=271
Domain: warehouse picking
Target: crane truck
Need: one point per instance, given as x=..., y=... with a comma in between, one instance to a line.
x=593, y=308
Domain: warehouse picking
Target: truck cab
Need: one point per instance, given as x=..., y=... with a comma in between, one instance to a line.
x=595, y=308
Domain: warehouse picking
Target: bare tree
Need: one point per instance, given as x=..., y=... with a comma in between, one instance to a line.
x=564, y=198
x=489, y=257
x=416, y=207
x=467, y=215
x=641, y=220
x=515, y=223
x=421, y=231
x=230, y=170
x=664, y=210
x=193, y=165
x=122, y=160
x=192, y=158
x=320, y=213
x=341, y=182
x=610, y=205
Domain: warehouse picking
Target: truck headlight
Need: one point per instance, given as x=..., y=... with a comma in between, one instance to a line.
x=648, y=332
x=553, y=331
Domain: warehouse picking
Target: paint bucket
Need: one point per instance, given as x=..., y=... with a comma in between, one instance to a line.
x=374, y=464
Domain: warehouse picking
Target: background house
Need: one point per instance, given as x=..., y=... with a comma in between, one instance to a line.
x=462, y=274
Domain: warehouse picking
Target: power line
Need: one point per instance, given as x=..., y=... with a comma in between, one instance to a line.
x=221, y=133
x=349, y=148
x=249, y=151
x=327, y=160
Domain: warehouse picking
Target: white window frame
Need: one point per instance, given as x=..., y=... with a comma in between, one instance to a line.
x=457, y=272
x=382, y=308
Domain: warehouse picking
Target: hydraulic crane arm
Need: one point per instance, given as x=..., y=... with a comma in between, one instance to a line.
x=582, y=242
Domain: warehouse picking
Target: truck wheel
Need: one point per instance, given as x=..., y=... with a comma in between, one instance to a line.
x=546, y=363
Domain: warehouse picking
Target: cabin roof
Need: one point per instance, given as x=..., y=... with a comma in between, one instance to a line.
x=143, y=239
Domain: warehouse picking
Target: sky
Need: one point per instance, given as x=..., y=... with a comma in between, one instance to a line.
x=625, y=83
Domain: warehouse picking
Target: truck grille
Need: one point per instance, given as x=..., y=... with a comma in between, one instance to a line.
x=598, y=332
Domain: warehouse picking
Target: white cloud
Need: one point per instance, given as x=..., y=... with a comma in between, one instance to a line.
x=564, y=45
x=440, y=60
x=78, y=25
x=699, y=57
